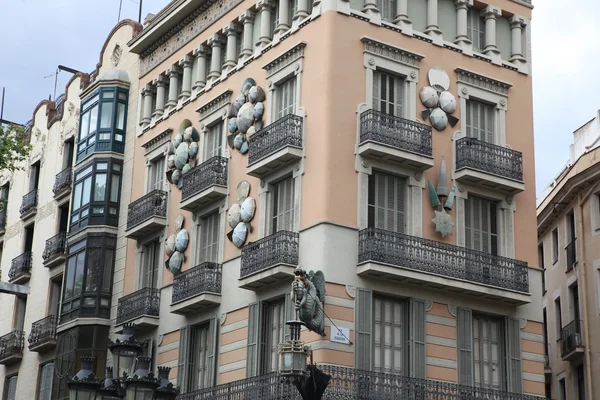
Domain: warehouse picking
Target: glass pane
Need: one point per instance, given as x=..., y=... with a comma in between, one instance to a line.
x=89, y=102
x=83, y=173
x=122, y=96
x=116, y=167
x=87, y=188
x=118, y=137
x=85, y=125
x=69, y=281
x=102, y=166
x=77, y=196
x=106, y=115
x=78, y=284
x=121, y=116
x=108, y=95
x=93, y=119
x=104, y=136
x=114, y=188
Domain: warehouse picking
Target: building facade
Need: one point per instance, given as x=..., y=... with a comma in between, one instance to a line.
x=568, y=224
x=387, y=144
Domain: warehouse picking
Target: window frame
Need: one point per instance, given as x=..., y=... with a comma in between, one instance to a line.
x=7, y=381
x=40, y=381
x=141, y=258
x=555, y=245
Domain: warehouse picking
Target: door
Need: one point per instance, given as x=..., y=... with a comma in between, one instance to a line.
x=283, y=203
x=488, y=352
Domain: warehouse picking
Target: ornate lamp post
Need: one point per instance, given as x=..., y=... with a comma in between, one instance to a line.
x=165, y=390
x=84, y=385
x=111, y=389
x=125, y=349
x=141, y=385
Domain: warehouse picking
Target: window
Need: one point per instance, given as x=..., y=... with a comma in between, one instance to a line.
x=34, y=176
x=19, y=315
x=555, y=246
x=580, y=383
x=480, y=121
x=283, y=205
x=571, y=236
x=487, y=350
x=388, y=93
x=285, y=98
x=68, y=150
x=197, y=356
x=209, y=238
x=542, y=266
x=45, y=384
x=476, y=29
x=11, y=388
x=214, y=141
x=273, y=331
x=156, y=174
x=558, y=316
x=54, y=298
x=387, y=8
x=575, y=313
x=28, y=244
x=545, y=327
x=200, y=341
x=151, y=262
x=562, y=388
x=386, y=202
x=388, y=337
x=481, y=232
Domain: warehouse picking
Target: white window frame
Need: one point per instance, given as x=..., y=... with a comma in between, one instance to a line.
x=197, y=217
x=266, y=196
x=288, y=65
x=156, y=151
x=141, y=258
x=214, y=112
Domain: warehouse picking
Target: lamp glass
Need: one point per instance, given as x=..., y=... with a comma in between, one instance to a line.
x=79, y=393
x=135, y=392
x=125, y=358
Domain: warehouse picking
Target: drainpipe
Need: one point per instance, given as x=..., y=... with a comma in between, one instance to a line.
x=584, y=296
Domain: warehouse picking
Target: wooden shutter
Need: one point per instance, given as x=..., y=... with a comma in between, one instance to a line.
x=253, y=338
x=513, y=355
x=481, y=121
x=364, y=326
x=289, y=313
x=464, y=327
x=47, y=374
x=386, y=202
x=11, y=392
x=480, y=225
x=416, y=338
x=209, y=238
x=283, y=214
x=476, y=29
x=211, y=358
x=388, y=92
x=184, y=358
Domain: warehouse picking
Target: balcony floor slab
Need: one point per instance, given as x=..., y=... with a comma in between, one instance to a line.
x=267, y=277
x=381, y=152
x=493, y=182
x=196, y=303
x=147, y=227
x=203, y=198
x=275, y=161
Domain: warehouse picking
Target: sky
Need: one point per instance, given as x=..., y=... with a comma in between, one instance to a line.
x=38, y=35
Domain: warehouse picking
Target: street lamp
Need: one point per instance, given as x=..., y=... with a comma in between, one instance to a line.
x=165, y=390
x=125, y=349
x=293, y=353
x=111, y=389
x=141, y=385
x=84, y=385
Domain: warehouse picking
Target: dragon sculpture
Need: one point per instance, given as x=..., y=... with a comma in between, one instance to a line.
x=308, y=292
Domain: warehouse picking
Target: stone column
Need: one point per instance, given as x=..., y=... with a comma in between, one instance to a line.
x=490, y=13
x=216, y=43
x=266, y=8
x=247, y=18
x=402, y=12
x=462, y=14
x=202, y=53
x=284, y=14
x=301, y=10
x=517, y=24
x=161, y=95
x=174, y=73
x=232, y=30
x=432, y=18
x=186, y=63
x=370, y=8
x=148, y=93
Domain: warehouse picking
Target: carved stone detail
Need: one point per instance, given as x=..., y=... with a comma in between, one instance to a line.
x=482, y=82
x=351, y=291
x=223, y=318
x=452, y=310
x=391, y=52
x=216, y=104
x=287, y=58
x=428, y=305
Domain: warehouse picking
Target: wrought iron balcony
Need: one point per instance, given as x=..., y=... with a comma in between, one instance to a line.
x=62, y=183
x=20, y=269
x=269, y=260
x=387, y=137
x=2, y=219
x=391, y=254
x=141, y=307
x=275, y=146
x=204, y=184
x=43, y=334
x=197, y=288
x=571, y=341
x=479, y=162
x=11, y=347
x=55, y=250
x=29, y=204
x=351, y=384
x=571, y=255
x=147, y=214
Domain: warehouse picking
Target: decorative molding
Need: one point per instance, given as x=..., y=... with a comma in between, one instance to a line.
x=215, y=104
x=522, y=323
x=194, y=23
x=483, y=82
x=159, y=339
x=351, y=291
x=393, y=53
x=13, y=230
x=428, y=305
x=452, y=310
x=116, y=54
x=157, y=140
x=223, y=318
x=287, y=58
x=45, y=211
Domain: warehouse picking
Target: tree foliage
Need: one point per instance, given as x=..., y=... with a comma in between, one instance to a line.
x=14, y=147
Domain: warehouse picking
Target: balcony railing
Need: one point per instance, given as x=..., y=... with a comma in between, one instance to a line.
x=571, y=255
x=396, y=132
x=42, y=331
x=3, y=216
x=154, y=204
x=29, y=202
x=212, y=172
x=286, y=131
x=144, y=302
x=490, y=158
x=379, y=245
x=351, y=384
x=570, y=337
x=62, y=181
x=205, y=278
x=55, y=246
x=279, y=248
x=20, y=265
x=11, y=344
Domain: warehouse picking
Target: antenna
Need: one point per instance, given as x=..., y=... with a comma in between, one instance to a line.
x=140, y=12
x=2, y=106
x=120, y=5
x=55, y=75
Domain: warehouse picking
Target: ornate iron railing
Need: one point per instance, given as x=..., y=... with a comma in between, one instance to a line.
x=55, y=246
x=29, y=202
x=490, y=158
x=204, y=278
x=571, y=337
x=279, y=248
x=286, y=131
x=3, y=216
x=396, y=132
x=20, y=265
x=212, y=172
x=351, y=384
x=63, y=180
x=571, y=255
x=379, y=245
x=42, y=330
x=12, y=343
x=144, y=302
x=154, y=204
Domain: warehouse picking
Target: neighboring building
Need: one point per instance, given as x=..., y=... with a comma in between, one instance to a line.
x=339, y=173
x=568, y=215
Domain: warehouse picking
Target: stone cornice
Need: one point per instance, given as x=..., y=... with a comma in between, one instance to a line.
x=215, y=104
x=373, y=46
x=285, y=59
x=157, y=140
x=483, y=82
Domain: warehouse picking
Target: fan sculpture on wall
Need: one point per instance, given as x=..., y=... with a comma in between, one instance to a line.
x=440, y=103
x=442, y=220
x=183, y=150
x=175, y=247
x=245, y=115
x=240, y=214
